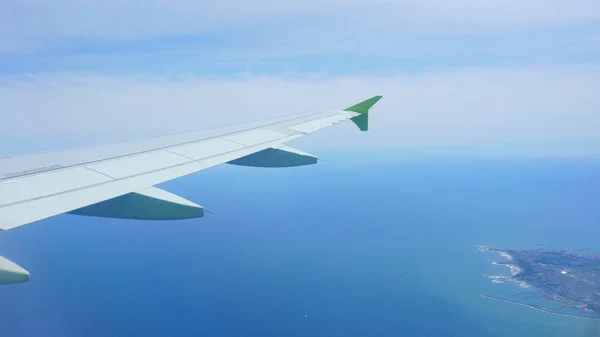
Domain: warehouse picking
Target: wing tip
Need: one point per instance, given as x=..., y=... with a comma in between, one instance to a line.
x=362, y=120
x=364, y=106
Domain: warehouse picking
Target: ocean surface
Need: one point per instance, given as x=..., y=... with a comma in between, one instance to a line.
x=366, y=243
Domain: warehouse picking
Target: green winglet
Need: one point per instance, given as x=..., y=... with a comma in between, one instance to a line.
x=362, y=121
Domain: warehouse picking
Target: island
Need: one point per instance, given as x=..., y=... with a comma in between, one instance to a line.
x=567, y=278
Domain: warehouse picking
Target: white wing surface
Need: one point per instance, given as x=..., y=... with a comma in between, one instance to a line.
x=116, y=179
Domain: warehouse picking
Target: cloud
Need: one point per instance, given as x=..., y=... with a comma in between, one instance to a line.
x=459, y=107
x=32, y=25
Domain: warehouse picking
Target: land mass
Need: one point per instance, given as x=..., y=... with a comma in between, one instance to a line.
x=564, y=277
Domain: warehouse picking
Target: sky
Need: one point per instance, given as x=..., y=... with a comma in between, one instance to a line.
x=459, y=77
x=493, y=77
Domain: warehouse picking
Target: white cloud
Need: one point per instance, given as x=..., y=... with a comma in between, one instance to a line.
x=38, y=24
x=513, y=11
x=463, y=107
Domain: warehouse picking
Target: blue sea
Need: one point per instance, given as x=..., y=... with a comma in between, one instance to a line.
x=366, y=243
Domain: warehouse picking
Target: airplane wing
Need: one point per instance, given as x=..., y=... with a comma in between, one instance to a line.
x=116, y=179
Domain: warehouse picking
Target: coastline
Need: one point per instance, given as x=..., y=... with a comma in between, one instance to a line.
x=531, y=306
x=515, y=269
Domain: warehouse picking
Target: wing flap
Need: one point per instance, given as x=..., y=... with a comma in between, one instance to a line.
x=312, y=126
x=49, y=183
x=254, y=137
x=139, y=164
x=206, y=149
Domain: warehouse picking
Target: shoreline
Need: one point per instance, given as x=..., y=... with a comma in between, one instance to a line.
x=515, y=269
x=531, y=306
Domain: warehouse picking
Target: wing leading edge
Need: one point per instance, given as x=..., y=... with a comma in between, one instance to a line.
x=116, y=179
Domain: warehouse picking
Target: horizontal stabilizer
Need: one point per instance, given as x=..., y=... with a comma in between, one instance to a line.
x=148, y=204
x=10, y=272
x=276, y=157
